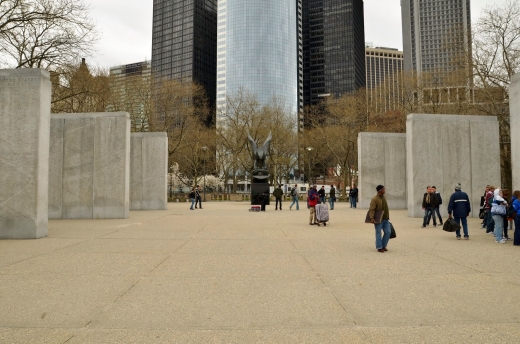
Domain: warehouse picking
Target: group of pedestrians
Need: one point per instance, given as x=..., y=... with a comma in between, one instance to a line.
x=501, y=213
x=430, y=204
x=195, y=197
x=497, y=209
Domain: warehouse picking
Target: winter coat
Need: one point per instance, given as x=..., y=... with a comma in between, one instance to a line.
x=516, y=204
x=500, y=201
x=313, y=198
x=278, y=193
x=459, y=204
x=434, y=202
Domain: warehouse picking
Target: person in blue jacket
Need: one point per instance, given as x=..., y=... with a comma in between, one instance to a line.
x=516, y=205
x=461, y=208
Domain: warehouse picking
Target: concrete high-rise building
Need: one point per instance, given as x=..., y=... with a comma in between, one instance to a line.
x=258, y=50
x=333, y=48
x=384, y=67
x=436, y=34
x=184, y=42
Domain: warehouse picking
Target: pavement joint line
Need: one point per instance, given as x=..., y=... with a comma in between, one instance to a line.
x=348, y=316
x=141, y=278
x=46, y=253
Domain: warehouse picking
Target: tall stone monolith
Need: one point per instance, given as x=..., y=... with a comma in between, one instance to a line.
x=25, y=105
x=444, y=150
x=382, y=160
x=148, y=171
x=89, y=166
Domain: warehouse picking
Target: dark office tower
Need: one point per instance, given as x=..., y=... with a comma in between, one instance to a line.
x=184, y=42
x=333, y=48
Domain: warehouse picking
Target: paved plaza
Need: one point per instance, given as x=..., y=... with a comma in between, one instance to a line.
x=226, y=275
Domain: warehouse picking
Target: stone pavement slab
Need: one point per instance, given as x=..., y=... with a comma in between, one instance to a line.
x=226, y=275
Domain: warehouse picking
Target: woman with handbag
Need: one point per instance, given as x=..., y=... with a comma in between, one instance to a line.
x=498, y=210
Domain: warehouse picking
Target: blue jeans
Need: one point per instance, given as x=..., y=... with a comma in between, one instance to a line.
x=331, y=202
x=295, y=200
x=490, y=224
x=517, y=230
x=435, y=211
x=192, y=203
x=428, y=212
x=322, y=199
x=385, y=226
x=464, y=221
x=499, y=226
x=352, y=202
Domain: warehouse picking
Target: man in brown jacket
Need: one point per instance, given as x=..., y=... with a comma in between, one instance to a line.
x=379, y=206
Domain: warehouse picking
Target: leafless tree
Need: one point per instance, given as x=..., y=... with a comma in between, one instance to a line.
x=44, y=33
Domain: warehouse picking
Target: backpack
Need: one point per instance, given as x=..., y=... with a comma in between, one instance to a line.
x=294, y=192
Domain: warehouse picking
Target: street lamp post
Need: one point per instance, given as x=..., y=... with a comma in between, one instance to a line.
x=309, y=161
x=205, y=149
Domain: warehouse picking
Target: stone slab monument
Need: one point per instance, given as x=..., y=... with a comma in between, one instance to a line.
x=148, y=171
x=89, y=168
x=260, y=179
x=443, y=150
x=382, y=160
x=514, y=113
x=25, y=107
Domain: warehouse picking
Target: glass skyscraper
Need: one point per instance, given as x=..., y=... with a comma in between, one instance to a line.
x=258, y=50
x=333, y=48
x=184, y=42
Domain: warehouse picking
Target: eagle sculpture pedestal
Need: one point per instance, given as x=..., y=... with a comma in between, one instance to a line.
x=260, y=182
x=260, y=187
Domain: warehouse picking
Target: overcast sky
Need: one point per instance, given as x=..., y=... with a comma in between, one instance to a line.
x=126, y=27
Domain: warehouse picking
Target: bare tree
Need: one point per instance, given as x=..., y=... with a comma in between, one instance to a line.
x=177, y=109
x=80, y=88
x=44, y=33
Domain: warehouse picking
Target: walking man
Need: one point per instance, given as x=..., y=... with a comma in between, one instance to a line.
x=198, y=199
x=352, y=195
x=332, y=197
x=379, y=206
x=312, y=201
x=460, y=207
x=278, y=193
x=294, y=195
x=428, y=204
x=439, y=202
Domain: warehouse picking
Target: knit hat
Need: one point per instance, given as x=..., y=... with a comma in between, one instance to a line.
x=379, y=187
x=458, y=186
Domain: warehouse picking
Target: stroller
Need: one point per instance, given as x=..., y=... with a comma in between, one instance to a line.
x=322, y=214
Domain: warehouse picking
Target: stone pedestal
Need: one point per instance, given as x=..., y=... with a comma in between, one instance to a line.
x=514, y=113
x=25, y=106
x=443, y=150
x=382, y=160
x=258, y=188
x=148, y=171
x=89, y=166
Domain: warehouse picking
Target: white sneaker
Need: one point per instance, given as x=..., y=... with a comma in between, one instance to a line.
x=501, y=241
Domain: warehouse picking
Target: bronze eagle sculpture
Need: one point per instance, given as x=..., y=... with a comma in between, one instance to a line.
x=260, y=153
